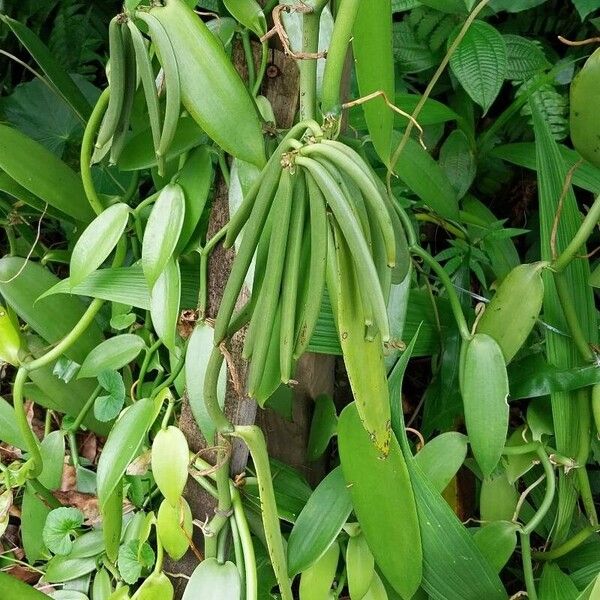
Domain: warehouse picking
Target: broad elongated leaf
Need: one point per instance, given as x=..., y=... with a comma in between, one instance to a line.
x=97, y=242
x=43, y=174
x=360, y=566
x=479, y=63
x=65, y=568
x=374, y=65
x=162, y=231
x=248, y=13
x=112, y=354
x=441, y=458
x=557, y=585
x=164, y=304
x=195, y=178
x=61, y=81
x=123, y=444
x=213, y=580
x=317, y=580
x=484, y=388
x=419, y=171
x=199, y=349
x=393, y=535
x=9, y=430
x=22, y=282
x=315, y=529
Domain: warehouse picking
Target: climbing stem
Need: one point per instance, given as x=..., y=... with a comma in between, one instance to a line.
x=308, y=66
x=527, y=566
x=579, y=538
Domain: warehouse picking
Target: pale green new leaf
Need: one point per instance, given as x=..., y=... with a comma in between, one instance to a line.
x=97, y=242
x=164, y=304
x=213, y=580
x=162, y=232
x=112, y=354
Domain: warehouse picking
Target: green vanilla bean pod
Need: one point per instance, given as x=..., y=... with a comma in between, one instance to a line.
x=359, y=172
x=309, y=310
x=252, y=233
x=255, y=440
x=120, y=135
x=584, y=119
x=144, y=65
x=352, y=231
x=513, y=311
x=289, y=294
x=166, y=55
x=270, y=291
x=117, y=83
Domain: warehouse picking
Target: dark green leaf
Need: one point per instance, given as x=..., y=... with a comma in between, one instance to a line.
x=133, y=559
x=322, y=427
x=15, y=589
x=112, y=354
x=497, y=541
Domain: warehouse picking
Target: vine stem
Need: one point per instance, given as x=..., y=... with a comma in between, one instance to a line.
x=87, y=148
x=459, y=316
x=440, y=70
x=336, y=56
x=568, y=546
x=579, y=239
x=308, y=68
x=527, y=566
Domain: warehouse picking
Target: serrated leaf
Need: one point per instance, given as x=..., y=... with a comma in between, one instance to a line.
x=484, y=387
x=97, y=242
x=524, y=58
x=480, y=62
x=112, y=354
x=60, y=528
x=457, y=160
x=162, y=232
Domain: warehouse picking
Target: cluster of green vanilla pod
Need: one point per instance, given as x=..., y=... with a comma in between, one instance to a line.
x=130, y=62
x=312, y=192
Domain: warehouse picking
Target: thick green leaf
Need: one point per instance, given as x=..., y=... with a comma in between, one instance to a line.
x=316, y=581
x=498, y=498
x=585, y=7
x=162, y=231
x=9, y=186
x=58, y=77
x=112, y=354
x=65, y=568
x=424, y=176
x=480, y=63
x=22, y=283
x=195, y=178
x=9, y=430
x=215, y=581
x=360, y=566
x=139, y=154
x=533, y=377
x=164, y=304
x=441, y=458
x=497, y=542
x=484, y=387
x=315, y=529
x=249, y=14
x=43, y=174
x=199, y=349
x=15, y=589
x=170, y=459
x=374, y=67
x=592, y=591
x=52, y=449
x=123, y=444
x=97, y=242
x=211, y=89
x=393, y=534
